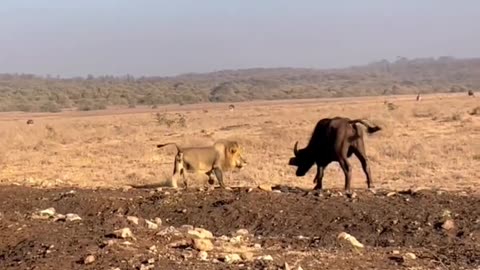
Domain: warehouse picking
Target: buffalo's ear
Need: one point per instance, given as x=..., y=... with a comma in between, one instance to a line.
x=292, y=161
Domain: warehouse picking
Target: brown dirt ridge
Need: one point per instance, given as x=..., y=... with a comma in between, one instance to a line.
x=292, y=225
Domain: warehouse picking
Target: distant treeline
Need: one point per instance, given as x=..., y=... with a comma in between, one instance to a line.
x=24, y=92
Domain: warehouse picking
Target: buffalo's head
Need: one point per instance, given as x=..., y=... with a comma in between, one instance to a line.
x=302, y=159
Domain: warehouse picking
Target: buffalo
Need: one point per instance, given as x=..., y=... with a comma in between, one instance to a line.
x=334, y=139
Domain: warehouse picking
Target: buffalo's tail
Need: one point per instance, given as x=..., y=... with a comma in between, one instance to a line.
x=370, y=129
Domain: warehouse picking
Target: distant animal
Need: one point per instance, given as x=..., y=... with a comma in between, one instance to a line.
x=231, y=107
x=223, y=155
x=30, y=122
x=334, y=139
x=419, y=97
x=471, y=93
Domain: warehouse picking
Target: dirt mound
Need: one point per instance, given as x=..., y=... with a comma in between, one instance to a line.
x=292, y=225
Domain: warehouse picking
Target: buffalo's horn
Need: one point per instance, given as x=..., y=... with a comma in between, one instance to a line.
x=295, y=150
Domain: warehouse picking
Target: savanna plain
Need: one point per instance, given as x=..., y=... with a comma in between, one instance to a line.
x=104, y=166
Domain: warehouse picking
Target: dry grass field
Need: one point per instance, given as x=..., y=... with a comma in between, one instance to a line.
x=431, y=143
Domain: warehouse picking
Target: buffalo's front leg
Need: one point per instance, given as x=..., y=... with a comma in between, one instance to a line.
x=318, y=178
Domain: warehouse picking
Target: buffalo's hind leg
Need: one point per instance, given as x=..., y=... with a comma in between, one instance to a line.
x=347, y=170
x=359, y=152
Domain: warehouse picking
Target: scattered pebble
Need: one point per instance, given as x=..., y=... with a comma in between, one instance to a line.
x=200, y=233
x=151, y=225
x=448, y=225
x=350, y=239
x=133, y=219
x=247, y=256
x=265, y=258
x=391, y=194
x=72, y=217
x=89, y=259
x=158, y=221
x=410, y=256
x=202, y=244
x=123, y=233
x=202, y=255
x=265, y=187
x=231, y=258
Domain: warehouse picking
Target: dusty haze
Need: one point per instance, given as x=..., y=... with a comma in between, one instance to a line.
x=166, y=38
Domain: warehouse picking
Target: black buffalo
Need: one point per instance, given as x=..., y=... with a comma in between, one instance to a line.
x=334, y=139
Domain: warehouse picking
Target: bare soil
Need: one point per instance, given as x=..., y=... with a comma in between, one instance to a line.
x=295, y=226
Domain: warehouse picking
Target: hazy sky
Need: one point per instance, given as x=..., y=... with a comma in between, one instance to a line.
x=143, y=37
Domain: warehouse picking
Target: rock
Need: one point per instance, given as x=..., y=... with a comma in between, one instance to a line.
x=183, y=243
x=247, y=256
x=224, y=238
x=158, y=221
x=242, y=232
x=89, y=259
x=167, y=231
x=395, y=252
x=202, y=244
x=265, y=187
x=186, y=228
x=202, y=256
x=123, y=233
x=153, y=249
x=200, y=233
x=236, y=239
x=265, y=258
x=446, y=213
x=350, y=239
x=249, y=190
x=231, y=258
x=126, y=188
x=151, y=261
x=391, y=194
x=187, y=254
x=59, y=217
x=299, y=268
x=146, y=267
x=448, y=225
x=151, y=225
x=286, y=266
x=257, y=246
x=72, y=217
x=133, y=220
x=45, y=214
x=276, y=191
x=410, y=256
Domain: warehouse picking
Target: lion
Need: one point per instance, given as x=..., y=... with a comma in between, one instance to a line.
x=223, y=155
